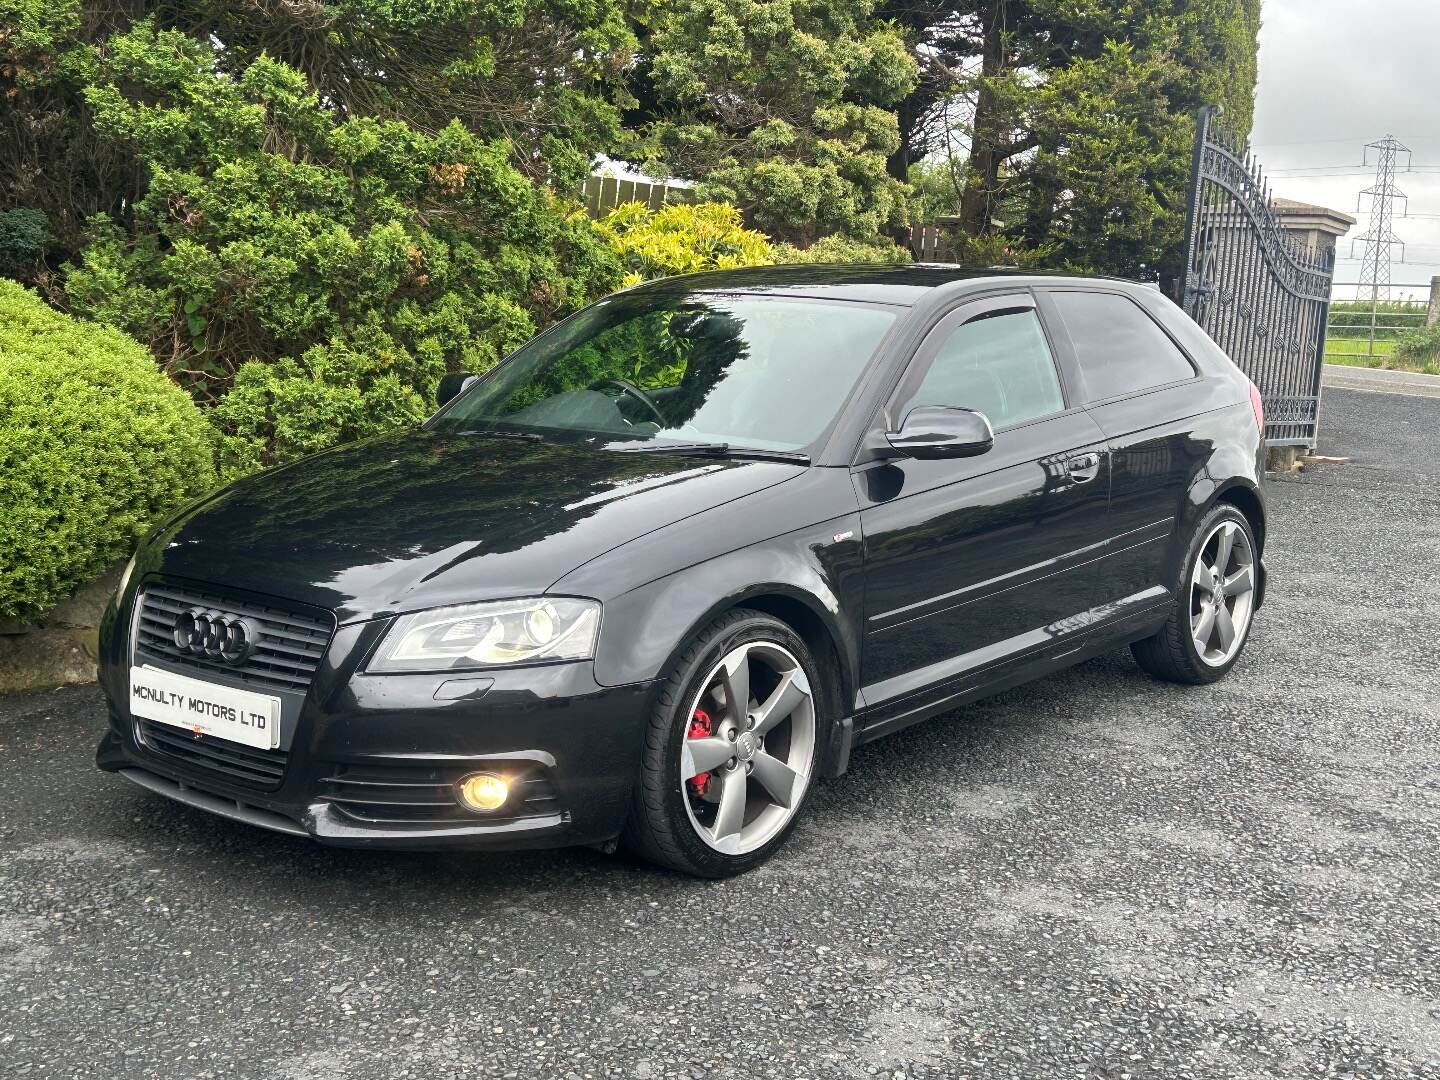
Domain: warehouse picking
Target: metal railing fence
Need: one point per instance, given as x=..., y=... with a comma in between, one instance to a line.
x=1366, y=330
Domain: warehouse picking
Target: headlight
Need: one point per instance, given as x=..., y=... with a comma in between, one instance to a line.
x=485, y=635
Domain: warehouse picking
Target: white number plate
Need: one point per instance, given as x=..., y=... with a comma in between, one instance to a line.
x=205, y=708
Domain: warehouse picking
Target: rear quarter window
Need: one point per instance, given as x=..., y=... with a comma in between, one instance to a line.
x=1119, y=348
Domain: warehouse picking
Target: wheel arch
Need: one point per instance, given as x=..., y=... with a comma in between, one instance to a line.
x=1245, y=496
x=662, y=617
x=807, y=619
x=1225, y=476
x=1247, y=500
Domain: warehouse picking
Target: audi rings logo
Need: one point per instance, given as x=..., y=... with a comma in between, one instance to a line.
x=215, y=635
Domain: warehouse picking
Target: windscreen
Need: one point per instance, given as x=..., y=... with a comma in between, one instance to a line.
x=750, y=371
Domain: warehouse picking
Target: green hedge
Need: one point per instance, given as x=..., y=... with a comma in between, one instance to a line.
x=95, y=444
x=1352, y=319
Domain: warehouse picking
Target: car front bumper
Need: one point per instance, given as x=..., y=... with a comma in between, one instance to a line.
x=373, y=760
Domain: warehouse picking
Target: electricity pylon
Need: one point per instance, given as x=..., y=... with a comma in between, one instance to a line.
x=1380, y=237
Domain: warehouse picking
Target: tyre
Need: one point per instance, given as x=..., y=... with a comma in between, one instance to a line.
x=732, y=749
x=1214, y=604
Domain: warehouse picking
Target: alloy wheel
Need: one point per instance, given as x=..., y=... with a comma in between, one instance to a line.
x=1222, y=593
x=749, y=746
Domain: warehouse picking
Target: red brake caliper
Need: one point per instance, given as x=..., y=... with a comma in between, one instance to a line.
x=701, y=726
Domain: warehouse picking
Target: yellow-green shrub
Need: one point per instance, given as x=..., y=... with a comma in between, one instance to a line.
x=682, y=238
x=843, y=249
x=95, y=444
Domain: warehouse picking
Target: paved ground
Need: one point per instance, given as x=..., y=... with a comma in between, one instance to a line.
x=1380, y=380
x=1096, y=876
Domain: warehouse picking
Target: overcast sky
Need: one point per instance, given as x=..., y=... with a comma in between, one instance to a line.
x=1334, y=75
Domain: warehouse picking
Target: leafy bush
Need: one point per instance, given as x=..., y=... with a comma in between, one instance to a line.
x=540, y=76
x=996, y=250
x=95, y=444
x=331, y=394
x=842, y=249
x=330, y=271
x=786, y=109
x=24, y=235
x=681, y=239
x=1420, y=348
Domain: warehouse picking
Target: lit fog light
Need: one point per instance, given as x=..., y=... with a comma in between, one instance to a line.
x=484, y=792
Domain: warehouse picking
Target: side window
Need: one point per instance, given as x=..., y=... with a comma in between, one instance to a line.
x=1119, y=347
x=997, y=364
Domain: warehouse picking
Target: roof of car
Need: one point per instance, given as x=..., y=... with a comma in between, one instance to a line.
x=900, y=284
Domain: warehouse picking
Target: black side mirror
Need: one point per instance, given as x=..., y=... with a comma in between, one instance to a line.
x=450, y=386
x=936, y=431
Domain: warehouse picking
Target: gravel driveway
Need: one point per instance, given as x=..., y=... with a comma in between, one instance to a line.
x=1097, y=875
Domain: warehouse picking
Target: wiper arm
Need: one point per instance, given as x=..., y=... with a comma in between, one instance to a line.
x=720, y=450
x=527, y=436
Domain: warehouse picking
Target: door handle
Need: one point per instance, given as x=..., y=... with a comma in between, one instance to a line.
x=1082, y=468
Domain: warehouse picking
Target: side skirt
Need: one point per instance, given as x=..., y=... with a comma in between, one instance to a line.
x=1015, y=671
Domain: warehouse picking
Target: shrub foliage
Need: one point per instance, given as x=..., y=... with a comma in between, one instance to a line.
x=324, y=206
x=682, y=238
x=1420, y=348
x=784, y=109
x=330, y=272
x=95, y=444
x=840, y=249
x=538, y=76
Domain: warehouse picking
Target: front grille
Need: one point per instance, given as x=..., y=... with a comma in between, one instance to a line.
x=417, y=793
x=292, y=640
x=243, y=765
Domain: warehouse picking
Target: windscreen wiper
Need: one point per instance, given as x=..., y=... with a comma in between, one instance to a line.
x=720, y=450
x=495, y=433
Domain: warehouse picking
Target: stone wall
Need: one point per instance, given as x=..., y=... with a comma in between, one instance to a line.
x=60, y=647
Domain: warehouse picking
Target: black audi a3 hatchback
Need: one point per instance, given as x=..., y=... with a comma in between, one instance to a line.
x=650, y=580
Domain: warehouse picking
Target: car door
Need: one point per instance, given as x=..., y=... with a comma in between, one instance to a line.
x=972, y=562
x=1143, y=391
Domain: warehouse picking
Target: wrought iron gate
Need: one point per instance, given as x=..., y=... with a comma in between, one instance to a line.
x=1255, y=290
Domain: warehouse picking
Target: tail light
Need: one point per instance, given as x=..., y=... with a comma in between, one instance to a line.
x=1258, y=406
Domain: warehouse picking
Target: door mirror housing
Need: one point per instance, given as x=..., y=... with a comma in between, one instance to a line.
x=931, y=432
x=451, y=386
